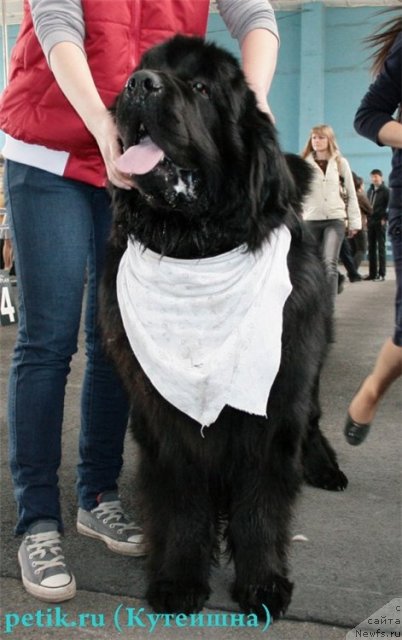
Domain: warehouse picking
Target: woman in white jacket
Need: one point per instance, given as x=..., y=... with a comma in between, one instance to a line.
x=324, y=209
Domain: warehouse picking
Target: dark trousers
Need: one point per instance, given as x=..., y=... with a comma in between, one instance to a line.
x=395, y=234
x=358, y=245
x=376, y=249
x=346, y=257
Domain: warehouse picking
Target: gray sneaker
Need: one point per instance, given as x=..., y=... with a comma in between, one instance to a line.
x=109, y=523
x=43, y=568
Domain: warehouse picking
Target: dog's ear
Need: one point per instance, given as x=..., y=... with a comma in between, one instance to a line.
x=271, y=184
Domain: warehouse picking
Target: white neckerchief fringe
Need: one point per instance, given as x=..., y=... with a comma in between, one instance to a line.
x=207, y=332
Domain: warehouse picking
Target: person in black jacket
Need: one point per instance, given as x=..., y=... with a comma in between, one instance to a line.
x=375, y=120
x=378, y=195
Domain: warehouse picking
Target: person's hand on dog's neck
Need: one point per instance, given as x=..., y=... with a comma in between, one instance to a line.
x=259, y=52
x=71, y=71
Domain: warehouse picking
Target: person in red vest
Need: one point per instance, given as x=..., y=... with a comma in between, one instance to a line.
x=67, y=66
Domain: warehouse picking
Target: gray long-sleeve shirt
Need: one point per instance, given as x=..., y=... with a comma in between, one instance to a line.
x=57, y=21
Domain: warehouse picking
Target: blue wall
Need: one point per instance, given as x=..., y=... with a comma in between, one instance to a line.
x=322, y=74
x=12, y=32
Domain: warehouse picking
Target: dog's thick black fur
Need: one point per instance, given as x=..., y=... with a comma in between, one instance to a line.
x=236, y=187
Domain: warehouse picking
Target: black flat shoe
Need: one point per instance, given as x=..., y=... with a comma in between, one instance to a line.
x=355, y=432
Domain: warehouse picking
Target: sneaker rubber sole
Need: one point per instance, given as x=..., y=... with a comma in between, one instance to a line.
x=49, y=594
x=125, y=548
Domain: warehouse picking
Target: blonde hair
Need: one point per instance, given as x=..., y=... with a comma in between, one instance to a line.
x=328, y=132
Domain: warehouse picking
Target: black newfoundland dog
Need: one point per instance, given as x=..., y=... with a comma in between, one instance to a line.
x=211, y=185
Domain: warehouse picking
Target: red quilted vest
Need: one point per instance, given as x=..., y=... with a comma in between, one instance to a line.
x=33, y=108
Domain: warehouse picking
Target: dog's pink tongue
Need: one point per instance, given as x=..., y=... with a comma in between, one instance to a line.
x=140, y=158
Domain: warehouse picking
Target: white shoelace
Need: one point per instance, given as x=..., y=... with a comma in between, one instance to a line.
x=113, y=515
x=39, y=545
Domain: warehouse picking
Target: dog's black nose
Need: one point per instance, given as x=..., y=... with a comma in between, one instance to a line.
x=143, y=83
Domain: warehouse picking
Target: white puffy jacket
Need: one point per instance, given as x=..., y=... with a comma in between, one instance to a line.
x=324, y=201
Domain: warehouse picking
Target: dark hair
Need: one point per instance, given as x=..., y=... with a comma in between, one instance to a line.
x=358, y=181
x=376, y=172
x=382, y=40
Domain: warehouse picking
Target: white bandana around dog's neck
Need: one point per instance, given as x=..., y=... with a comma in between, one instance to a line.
x=207, y=332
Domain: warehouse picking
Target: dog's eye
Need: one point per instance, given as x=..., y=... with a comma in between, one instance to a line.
x=201, y=88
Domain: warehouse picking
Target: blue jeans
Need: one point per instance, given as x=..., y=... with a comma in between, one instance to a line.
x=59, y=230
x=329, y=235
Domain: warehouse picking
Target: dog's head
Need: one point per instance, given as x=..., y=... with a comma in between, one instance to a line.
x=205, y=160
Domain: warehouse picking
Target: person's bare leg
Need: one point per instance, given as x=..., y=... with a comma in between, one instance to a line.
x=388, y=368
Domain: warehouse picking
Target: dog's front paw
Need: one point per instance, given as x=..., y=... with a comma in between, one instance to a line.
x=275, y=595
x=330, y=478
x=166, y=596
